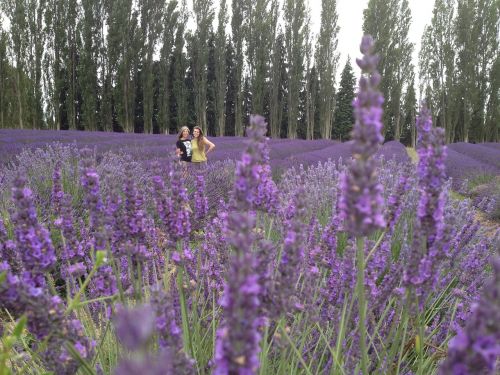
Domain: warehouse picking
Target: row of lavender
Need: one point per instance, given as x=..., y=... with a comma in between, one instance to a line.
x=464, y=160
x=117, y=267
x=283, y=153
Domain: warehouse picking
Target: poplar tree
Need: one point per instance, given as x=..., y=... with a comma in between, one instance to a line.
x=231, y=90
x=170, y=24
x=401, y=66
x=493, y=108
x=90, y=28
x=220, y=69
x=122, y=25
x=277, y=65
x=466, y=53
x=71, y=63
x=4, y=74
x=310, y=83
x=326, y=60
x=204, y=16
x=437, y=64
x=260, y=31
x=485, y=31
x=152, y=22
x=180, y=67
x=295, y=18
x=238, y=28
x=15, y=11
x=388, y=22
x=54, y=63
x=35, y=47
x=408, y=135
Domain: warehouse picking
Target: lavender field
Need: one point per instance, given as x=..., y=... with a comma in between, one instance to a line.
x=281, y=257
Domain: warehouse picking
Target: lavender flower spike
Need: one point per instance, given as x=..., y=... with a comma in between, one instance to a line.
x=361, y=199
x=254, y=187
x=237, y=346
x=38, y=254
x=429, y=229
x=476, y=348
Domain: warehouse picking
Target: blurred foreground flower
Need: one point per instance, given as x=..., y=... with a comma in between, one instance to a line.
x=361, y=202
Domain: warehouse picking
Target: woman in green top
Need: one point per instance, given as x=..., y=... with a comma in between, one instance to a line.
x=200, y=147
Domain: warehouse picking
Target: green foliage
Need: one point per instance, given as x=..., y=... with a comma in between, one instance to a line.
x=326, y=61
x=131, y=66
x=388, y=22
x=344, y=117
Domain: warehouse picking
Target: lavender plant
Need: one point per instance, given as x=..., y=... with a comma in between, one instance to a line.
x=115, y=261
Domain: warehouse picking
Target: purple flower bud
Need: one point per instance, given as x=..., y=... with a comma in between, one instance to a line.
x=361, y=201
x=254, y=187
x=200, y=200
x=37, y=252
x=134, y=326
x=476, y=348
x=237, y=345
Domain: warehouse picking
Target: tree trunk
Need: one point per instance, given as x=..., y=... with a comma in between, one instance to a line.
x=19, y=98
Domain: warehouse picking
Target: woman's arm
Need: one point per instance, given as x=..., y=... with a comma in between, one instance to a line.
x=210, y=145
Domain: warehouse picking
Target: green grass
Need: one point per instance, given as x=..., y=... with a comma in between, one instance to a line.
x=480, y=179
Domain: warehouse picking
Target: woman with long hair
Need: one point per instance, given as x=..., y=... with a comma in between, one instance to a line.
x=183, y=144
x=201, y=146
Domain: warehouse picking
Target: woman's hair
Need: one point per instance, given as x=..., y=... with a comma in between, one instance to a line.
x=182, y=131
x=201, y=140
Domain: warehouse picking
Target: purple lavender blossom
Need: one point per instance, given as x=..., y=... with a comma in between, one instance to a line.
x=164, y=363
x=429, y=230
x=167, y=311
x=361, y=200
x=57, y=193
x=214, y=252
x=172, y=204
x=200, y=200
x=180, y=225
x=254, y=187
x=476, y=348
x=237, y=345
x=73, y=250
x=134, y=327
x=395, y=201
x=38, y=254
x=167, y=323
x=8, y=249
x=431, y=176
x=134, y=242
x=90, y=182
x=292, y=256
x=47, y=322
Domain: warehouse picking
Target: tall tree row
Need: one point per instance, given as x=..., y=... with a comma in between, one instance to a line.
x=458, y=62
x=154, y=65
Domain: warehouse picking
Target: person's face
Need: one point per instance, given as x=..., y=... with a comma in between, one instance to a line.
x=185, y=133
x=196, y=133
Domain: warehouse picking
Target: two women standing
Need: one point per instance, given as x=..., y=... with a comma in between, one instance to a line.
x=194, y=149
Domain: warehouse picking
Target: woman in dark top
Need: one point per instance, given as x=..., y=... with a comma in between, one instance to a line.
x=183, y=145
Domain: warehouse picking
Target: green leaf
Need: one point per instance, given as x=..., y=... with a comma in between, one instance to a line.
x=84, y=365
x=19, y=328
x=100, y=258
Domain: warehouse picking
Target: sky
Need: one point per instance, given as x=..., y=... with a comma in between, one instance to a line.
x=351, y=21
